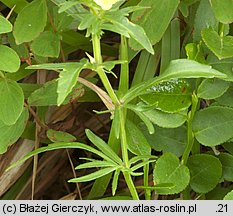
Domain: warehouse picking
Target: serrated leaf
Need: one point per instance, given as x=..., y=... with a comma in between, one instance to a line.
x=213, y=125
x=166, y=120
x=47, y=44
x=155, y=19
x=66, y=5
x=143, y=117
x=68, y=76
x=137, y=142
x=60, y=136
x=30, y=22
x=168, y=170
x=11, y=133
x=93, y=175
x=9, y=61
x=11, y=101
x=134, y=31
x=221, y=46
x=205, y=171
x=170, y=96
x=212, y=88
x=177, y=69
x=227, y=166
x=67, y=80
x=167, y=140
x=103, y=146
x=223, y=10
x=47, y=94
x=5, y=25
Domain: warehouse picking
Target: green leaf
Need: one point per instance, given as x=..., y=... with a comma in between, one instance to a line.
x=141, y=164
x=93, y=175
x=205, y=171
x=5, y=25
x=117, y=198
x=103, y=146
x=228, y=147
x=135, y=159
x=184, y=68
x=213, y=125
x=11, y=133
x=221, y=46
x=28, y=88
x=227, y=98
x=134, y=31
x=227, y=166
x=67, y=5
x=143, y=117
x=68, y=76
x=9, y=61
x=47, y=94
x=204, y=18
x=116, y=123
x=166, y=186
x=47, y=44
x=56, y=146
x=177, y=69
x=137, y=142
x=212, y=88
x=167, y=140
x=30, y=22
x=194, y=52
x=155, y=19
x=229, y=196
x=217, y=193
x=115, y=181
x=67, y=80
x=223, y=10
x=166, y=120
x=95, y=163
x=170, y=96
x=60, y=136
x=11, y=100
x=169, y=170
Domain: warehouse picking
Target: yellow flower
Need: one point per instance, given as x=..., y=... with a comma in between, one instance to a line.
x=105, y=4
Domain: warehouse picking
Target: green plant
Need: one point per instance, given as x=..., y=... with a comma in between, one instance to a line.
x=161, y=113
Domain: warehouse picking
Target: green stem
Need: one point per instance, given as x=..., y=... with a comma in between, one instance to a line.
x=101, y=184
x=131, y=186
x=146, y=181
x=221, y=29
x=124, y=145
x=124, y=149
x=124, y=77
x=190, y=136
x=100, y=71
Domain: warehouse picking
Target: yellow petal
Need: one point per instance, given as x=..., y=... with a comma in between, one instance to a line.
x=106, y=4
